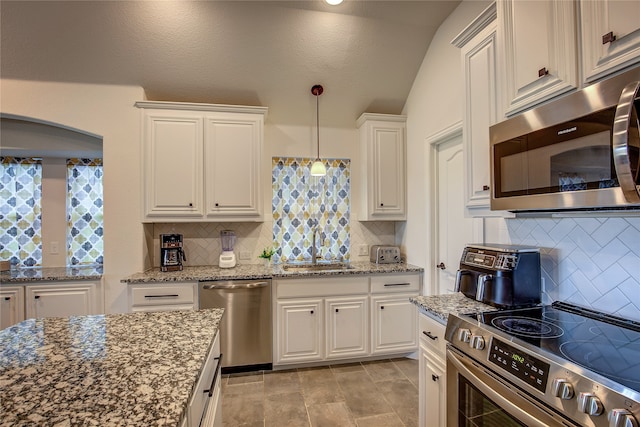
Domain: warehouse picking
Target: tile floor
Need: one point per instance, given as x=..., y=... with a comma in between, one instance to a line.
x=367, y=394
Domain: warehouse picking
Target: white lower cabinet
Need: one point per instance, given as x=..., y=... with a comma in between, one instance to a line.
x=433, y=405
x=347, y=327
x=394, y=324
x=11, y=305
x=163, y=297
x=337, y=318
x=63, y=299
x=299, y=334
x=432, y=370
x=205, y=404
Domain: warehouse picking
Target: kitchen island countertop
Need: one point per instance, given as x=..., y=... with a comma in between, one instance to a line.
x=439, y=306
x=137, y=369
x=258, y=271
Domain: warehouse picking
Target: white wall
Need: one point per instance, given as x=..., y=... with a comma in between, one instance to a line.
x=107, y=111
x=434, y=103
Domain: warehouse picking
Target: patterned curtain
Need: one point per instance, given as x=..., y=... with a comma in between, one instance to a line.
x=20, y=212
x=84, y=211
x=302, y=202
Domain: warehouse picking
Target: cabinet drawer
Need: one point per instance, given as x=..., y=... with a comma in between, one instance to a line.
x=407, y=283
x=154, y=295
x=208, y=381
x=431, y=333
x=300, y=288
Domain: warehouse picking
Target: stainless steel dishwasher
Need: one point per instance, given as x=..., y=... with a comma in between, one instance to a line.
x=246, y=327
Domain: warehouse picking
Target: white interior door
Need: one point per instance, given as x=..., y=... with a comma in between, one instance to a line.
x=452, y=230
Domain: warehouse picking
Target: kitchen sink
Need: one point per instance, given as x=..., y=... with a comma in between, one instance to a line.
x=324, y=266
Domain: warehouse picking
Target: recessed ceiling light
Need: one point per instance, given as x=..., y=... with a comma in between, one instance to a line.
x=333, y=2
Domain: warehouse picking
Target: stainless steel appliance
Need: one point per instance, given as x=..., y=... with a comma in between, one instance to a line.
x=579, y=152
x=557, y=365
x=504, y=276
x=171, y=252
x=246, y=327
x=384, y=254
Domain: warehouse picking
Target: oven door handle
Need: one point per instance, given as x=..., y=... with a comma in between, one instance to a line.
x=497, y=398
x=622, y=124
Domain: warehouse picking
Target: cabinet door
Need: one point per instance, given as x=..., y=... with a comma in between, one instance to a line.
x=540, y=51
x=299, y=334
x=481, y=101
x=347, y=327
x=233, y=150
x=173, y=164
x=394, y=323
x=601, y=54
x=61, y=300
x=11, y=306
x=432, y=390
x=384, y=175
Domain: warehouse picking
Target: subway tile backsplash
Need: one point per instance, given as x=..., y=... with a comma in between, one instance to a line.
x=592, y=262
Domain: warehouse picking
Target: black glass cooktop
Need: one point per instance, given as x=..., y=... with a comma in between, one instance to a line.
x=607, y=345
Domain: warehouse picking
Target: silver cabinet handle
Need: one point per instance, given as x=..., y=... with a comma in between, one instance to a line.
x=620, y=142
x=227, y=285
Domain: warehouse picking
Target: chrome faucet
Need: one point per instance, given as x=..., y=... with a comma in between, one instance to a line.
x=314, y=248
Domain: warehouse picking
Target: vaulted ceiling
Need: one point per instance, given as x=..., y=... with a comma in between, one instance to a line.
x=365, y=53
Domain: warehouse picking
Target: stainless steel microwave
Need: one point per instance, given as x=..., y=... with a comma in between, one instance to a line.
x=580, y=152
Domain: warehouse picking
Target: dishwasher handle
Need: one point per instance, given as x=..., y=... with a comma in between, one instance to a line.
x=231, y=285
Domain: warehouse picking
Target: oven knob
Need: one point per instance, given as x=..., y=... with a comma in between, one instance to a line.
x=621, y=418
x=477, y=342
x=562, y=388
x=464, y=335
x=589, y=404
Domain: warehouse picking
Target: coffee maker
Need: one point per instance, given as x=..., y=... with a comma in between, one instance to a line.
x=504, y=276
x=171, y=252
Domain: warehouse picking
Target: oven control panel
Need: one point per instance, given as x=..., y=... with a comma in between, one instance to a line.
x=519, y=364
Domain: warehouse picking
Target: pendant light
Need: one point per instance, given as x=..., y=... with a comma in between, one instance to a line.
x=317, y=168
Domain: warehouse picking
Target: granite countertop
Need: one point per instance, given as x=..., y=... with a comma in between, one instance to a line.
x=33, y=274
x=258, y=271
x=439, y=306
x=137, y=369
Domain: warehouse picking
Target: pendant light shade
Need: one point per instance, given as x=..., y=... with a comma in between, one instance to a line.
x=318, y=168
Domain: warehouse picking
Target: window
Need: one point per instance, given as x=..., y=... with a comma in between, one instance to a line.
x=20, y=212
x=84, y=211
x=301, y=203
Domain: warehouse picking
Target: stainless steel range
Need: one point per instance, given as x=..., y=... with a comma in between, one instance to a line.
x=557, y=365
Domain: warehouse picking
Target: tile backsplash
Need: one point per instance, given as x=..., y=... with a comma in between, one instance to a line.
x=591, y=262
x=202, y=240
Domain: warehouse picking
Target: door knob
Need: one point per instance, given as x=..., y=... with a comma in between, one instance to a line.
x=441, y=266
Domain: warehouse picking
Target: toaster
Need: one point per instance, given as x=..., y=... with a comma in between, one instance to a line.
x=385, y=254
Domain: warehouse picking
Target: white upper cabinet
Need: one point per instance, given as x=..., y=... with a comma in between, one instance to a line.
x=201, y=162
x=539, y=42
x=233, y=152
x=173, y=164
x=383, y=150
x=477, y=43
x=610, y=32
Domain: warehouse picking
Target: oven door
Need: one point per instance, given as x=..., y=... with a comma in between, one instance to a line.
x=478, y=397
